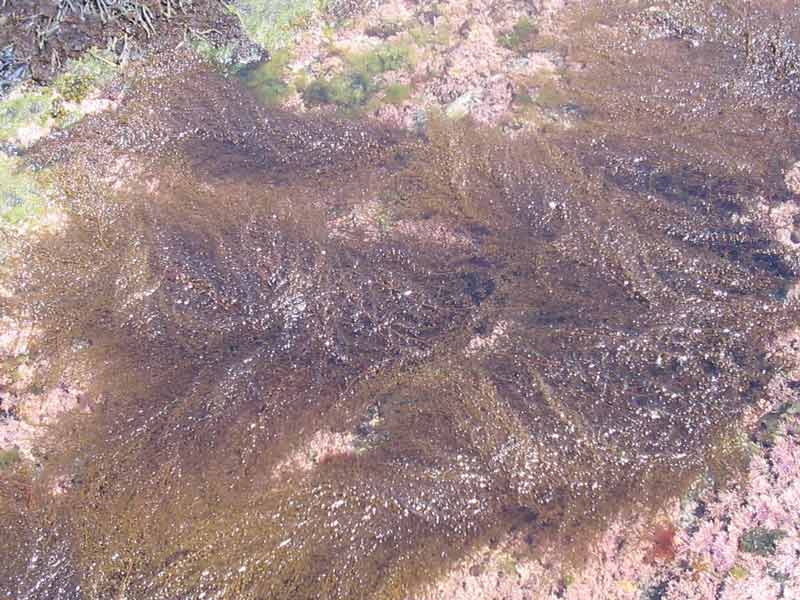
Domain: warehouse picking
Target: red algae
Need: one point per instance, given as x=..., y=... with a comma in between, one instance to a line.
x=663, y=543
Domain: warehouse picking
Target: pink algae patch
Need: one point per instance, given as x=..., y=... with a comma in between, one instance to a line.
x=370, y=221
x=322, y=446
x=26, y=412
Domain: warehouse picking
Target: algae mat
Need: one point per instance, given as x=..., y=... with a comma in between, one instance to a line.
x=323, y=358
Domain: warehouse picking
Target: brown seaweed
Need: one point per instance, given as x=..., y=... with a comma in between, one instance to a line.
x=204, y=278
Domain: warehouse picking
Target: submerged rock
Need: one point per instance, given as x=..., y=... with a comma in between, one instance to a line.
x=12, y=71
x=761, y=541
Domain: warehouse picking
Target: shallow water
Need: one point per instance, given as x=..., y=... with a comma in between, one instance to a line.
x=532, y=333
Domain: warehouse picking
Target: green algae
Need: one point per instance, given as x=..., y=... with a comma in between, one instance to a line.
x=348, y=92
x=521, y=37
x=92, y=70
x=273, y=23
x=268, y=80
x=549, y=95
x=432, y=36
x=386, y=57
x=22, y=109
x=361, y=78
x=397, y=93
x=22, y=199
x=223, y=55
x=59, y=104
x=9, y=458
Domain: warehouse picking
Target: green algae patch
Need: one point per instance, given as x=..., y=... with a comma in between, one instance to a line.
x=361, y=78
x=9, y=458
x=83, y=75
x=738, y=572
x=272, y=24
x=343, y=91
x=549, y=95
x=268, y=80
x=29, y=113
x=521, y=37
x=386, y=57
x=23, y=109
x=397, y=93
x=431, y=36
x=223, y=55
x=21, y=196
